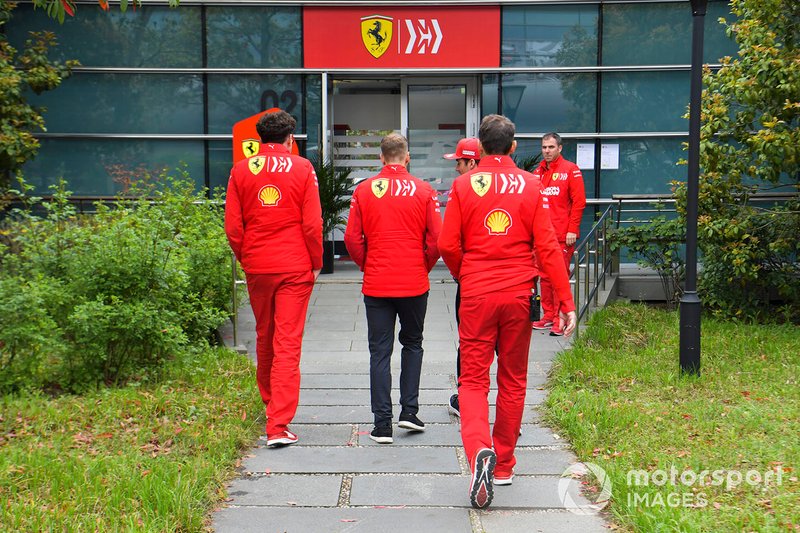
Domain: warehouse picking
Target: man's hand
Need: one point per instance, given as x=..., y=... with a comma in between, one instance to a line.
x=571, y=320
x=316, y=273
x=571, y=238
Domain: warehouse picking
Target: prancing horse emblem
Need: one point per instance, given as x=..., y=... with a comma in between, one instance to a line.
x=376, y=34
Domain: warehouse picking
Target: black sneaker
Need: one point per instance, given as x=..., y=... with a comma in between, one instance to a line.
x=382, y=435
x=481, y=491
x=411, y=422
x=452, y=406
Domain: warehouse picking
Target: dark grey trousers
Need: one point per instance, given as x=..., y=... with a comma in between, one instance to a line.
x=382, y=314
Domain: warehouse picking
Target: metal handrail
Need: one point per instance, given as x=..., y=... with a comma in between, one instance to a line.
x=592, y=254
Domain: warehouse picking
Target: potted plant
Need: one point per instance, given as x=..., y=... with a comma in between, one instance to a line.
x=335, y=189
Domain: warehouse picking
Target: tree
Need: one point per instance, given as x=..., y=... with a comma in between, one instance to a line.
x=750, y=142
x=29, y=69
x=58, y=9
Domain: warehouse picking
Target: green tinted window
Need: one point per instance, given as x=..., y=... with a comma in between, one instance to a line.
x=646, y=166
x=313, y=114
x=125, y=103
x=153, y=36
x=232, y=98
x=101, y=167
x=489, y=94
x=644, y=101
x=252, y=37
x=550, y=102
x=660, y=34
x=539, y=36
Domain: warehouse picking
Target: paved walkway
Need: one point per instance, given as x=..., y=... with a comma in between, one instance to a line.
x=336, y=479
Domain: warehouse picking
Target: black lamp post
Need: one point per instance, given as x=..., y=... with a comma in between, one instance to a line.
x=690, y=302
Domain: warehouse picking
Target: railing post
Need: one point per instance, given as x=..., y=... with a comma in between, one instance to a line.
x=587, y=259
x=234, y=306
x=577, y=263
x=596, y=253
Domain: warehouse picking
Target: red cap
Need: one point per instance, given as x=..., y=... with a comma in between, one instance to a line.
x=468, y=148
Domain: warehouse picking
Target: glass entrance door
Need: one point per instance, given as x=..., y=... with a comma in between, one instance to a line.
x=435, y=114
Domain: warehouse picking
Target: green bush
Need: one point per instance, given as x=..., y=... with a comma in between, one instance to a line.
x=125, y=289
x=750, y=261
x=27, y=334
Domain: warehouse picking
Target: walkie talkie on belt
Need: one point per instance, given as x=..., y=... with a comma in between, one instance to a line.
x=535, y=311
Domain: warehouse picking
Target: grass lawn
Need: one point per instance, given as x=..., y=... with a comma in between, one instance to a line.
x=621, y=400
x=146, y=457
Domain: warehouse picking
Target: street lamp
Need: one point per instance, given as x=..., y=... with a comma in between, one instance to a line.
x=690, y=302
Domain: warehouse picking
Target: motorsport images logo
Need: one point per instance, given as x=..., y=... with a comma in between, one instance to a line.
x=664, y=487
x=569, y=489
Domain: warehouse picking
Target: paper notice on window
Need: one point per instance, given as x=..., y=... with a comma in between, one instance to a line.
x=585, y=157
x=609, y=156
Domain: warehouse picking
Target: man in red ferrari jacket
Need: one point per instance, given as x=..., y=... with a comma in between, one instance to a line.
x=391, y=235
x=562, y=183
x=495, y=217
x=273, y=221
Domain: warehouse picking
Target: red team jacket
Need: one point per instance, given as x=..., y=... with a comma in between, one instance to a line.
x=562, y=183
x=273, y=217
x=487, y=239
x=392, y=233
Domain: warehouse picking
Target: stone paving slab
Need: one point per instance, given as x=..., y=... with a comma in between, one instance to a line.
x=361, y=414
x=355, y=414
x=434, y=435
x=432, y=348
x=319, y=435
x=341, y=520
x=362, y=397
x=361, y=381
x=329, y=345
x=533, y=436
x=542, y=462
x=287, y=490
x=340, y=397
x=501, y=521
x=389, y=459
x=526, y=492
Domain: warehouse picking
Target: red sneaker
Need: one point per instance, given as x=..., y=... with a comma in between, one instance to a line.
x=556, y=330
x=503, y=478
x=480, y=490
x=542, y=324
x=283, y=438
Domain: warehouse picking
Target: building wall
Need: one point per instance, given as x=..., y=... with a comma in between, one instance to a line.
x=600, y=72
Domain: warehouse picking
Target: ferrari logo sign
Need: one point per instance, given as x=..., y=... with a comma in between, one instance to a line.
x=376, y=34
x=481, y=183
x=255, y=164
x=250, y=147
x=379, y=187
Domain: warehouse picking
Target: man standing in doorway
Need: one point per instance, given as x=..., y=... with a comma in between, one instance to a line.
x=273, y=221
x=392, y=234
x=495, y=217
x=562, y=183
x=467, y=157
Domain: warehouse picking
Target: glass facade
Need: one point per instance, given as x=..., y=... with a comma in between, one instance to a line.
x=162, y=86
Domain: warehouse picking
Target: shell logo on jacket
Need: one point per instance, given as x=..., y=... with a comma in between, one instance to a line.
x=498, y=221
x=269, y=195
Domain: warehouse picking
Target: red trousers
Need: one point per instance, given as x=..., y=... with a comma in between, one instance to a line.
x=279, y=303
x=500, y=320
x=550, y=303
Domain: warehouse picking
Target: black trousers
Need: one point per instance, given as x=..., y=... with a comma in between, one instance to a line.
x=382, y=314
